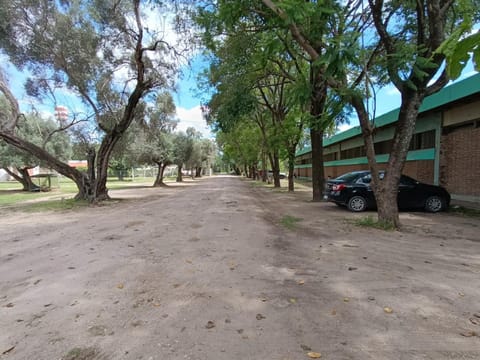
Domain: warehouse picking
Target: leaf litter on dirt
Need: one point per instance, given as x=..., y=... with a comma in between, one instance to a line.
x=210, y=324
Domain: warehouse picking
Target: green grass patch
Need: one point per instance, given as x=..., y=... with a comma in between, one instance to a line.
x=290, y=222
x=370, y=221
x=54, y=205
x=460, y=210
x=10, y=197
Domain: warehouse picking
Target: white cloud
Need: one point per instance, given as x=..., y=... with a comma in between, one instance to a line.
x=344, y=127
x=392, y=91
x=192, y=118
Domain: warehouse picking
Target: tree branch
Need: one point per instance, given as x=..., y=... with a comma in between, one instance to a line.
x=296, y=33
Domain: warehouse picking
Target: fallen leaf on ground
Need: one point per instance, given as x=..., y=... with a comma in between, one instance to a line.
x=475, y=320
x=8, y=350
x=188, y=261
x=314, y=355
x=346, y=299
x=210, y=324
x=468, y=333
x=388, y=310
x=301, y=282
x=461, y=294
x=293, y=301
x=120, y=286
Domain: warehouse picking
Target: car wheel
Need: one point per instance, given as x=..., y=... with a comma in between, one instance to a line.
x=357, y=204
x=434, y=204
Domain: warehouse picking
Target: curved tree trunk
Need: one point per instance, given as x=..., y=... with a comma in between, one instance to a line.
x=27, y=182
x=18, y=178
x=80, y=179
x=387, y=199
x=161, y=170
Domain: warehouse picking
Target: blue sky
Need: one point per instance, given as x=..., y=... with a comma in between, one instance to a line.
x=188, y=98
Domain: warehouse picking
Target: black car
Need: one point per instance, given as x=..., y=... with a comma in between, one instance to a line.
x=353, y=190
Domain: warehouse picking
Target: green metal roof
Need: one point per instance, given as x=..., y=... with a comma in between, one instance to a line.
x=448, y=94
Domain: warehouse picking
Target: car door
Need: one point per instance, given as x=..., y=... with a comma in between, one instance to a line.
x=408, y=196
x=364, y=189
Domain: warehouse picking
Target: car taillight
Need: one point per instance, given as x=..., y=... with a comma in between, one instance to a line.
x=338, y=187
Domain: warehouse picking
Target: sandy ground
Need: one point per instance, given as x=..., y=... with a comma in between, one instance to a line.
x=206, y=270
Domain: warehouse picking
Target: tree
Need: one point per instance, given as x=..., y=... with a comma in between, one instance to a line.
x=182, y=151
x=152, y=141
x=99, y=51
x=252, y=17
x=242, y=146
x=41, y=132
x=409, y=35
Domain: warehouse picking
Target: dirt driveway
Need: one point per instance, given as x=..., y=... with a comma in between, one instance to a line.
x=219, y=269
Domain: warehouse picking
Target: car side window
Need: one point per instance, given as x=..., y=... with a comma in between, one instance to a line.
x=406, y=181
x=367, y=179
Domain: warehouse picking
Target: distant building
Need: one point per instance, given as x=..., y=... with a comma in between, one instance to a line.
x=445, y=148
x=77, y=163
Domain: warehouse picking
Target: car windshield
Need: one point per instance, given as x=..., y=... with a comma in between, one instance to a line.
x=348, y=177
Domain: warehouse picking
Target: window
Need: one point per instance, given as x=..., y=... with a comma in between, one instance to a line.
x=356, y=152
x=424, y=140
x=330, y=157
x=383, y=147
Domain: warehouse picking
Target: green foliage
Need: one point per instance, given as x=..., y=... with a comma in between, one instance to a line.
x=460, y=52
x=370, y=221
x=41, y=132
x=290, y=222
x=464, y=211
x=182, y=149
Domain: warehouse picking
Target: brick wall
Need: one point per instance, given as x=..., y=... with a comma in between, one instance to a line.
x=460, y=161
x=422, y=170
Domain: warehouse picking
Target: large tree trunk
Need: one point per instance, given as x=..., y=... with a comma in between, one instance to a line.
x=317, y=108
x=386, y=190
x=179, y=174
x=276, y=169
x=80, y=179
x=291, y=169
x=162, y=165
x=318, y=173
x=27, y=182
x=264, y=166
x=18, y=178
x=388, y=187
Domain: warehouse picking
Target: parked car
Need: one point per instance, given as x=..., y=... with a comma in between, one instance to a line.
x=281, y=175
x=353, y=190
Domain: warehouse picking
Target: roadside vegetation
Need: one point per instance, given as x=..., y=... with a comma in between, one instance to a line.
x=12, y=194
x=283, y=76
x=372, y=222
x=290, y=222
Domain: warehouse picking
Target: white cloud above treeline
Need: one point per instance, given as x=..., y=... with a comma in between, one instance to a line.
x=192, y=118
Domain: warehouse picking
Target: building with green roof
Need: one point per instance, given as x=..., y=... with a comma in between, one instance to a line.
x=445, y=148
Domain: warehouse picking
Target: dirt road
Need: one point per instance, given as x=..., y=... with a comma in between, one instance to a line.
x=221, y=269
